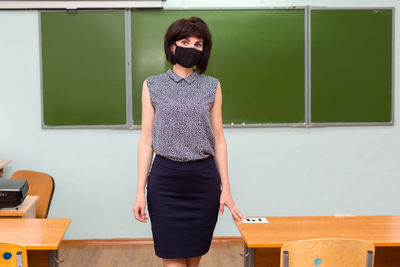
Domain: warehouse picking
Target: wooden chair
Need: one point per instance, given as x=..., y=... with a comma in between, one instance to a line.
x=328, y=252
x=40, y=184
x=13, y=255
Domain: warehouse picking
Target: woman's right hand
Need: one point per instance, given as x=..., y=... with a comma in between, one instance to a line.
x=139, y=208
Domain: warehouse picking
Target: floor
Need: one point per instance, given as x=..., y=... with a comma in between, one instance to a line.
x=221, y=254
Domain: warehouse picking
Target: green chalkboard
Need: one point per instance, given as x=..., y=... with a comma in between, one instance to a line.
x=83, y=68
x=257, y=55
x=351, y=66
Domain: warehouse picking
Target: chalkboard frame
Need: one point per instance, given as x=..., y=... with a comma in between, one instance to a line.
x=307, y=72
x=309, y=89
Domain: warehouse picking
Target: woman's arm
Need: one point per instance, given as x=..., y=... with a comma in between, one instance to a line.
x=221, y=156
x=144, y=154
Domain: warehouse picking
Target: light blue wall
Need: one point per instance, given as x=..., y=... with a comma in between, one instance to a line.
x=272, y=171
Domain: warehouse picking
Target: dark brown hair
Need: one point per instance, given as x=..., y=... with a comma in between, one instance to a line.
x=183, y=28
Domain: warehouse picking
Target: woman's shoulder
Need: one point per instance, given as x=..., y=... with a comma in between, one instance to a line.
x=155, y=77
x=210, y=80
x=155, y=81
x=208, y=77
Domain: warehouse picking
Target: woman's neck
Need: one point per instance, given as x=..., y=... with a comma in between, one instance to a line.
x=181, y=71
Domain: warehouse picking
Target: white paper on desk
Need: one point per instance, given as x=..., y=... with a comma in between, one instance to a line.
x=344, y=215
x=255, y=220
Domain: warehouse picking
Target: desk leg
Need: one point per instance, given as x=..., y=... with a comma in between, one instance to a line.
x=248, y=256
x=53, y=258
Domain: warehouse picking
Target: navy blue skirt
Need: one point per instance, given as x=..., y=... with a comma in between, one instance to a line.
x=183, y=204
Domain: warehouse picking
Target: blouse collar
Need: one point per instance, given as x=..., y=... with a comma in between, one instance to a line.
x=189, y=79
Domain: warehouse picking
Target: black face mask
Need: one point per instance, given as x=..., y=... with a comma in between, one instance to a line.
x=187, y=56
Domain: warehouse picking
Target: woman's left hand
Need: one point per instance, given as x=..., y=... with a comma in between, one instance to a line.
x=226, y=199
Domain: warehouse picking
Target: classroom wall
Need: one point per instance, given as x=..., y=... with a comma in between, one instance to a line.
x=272, y=171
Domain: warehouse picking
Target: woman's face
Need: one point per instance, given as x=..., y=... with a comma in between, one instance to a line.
x=191, y=41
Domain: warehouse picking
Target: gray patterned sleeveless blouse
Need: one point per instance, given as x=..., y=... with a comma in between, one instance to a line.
x=182, y=128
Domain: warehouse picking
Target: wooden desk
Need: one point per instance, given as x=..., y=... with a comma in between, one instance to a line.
x=26, y=210
x=41, y=237
x=262, y=242
x=3, y=163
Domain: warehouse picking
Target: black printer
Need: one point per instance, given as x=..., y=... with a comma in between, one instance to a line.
x=12, y=192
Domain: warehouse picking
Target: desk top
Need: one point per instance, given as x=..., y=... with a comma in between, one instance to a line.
x=34, y=234
x=28, y=202
x=382, y=230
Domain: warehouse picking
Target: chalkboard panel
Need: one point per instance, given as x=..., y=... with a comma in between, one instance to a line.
x=351, y=66
x=83, y=68
x=257, y=55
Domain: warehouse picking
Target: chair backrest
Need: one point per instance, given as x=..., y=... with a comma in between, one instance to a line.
x=328, y=252
x=40, y=184
x=13, y=255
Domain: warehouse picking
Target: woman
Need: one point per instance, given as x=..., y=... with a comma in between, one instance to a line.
x=182, y=123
